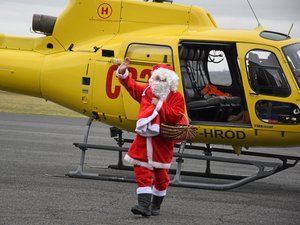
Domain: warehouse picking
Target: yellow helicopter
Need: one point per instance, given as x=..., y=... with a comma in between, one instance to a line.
x=241, y=87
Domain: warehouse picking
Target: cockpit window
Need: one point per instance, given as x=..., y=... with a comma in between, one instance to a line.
x=218, y=68
x=292, y=54
x=265, y=74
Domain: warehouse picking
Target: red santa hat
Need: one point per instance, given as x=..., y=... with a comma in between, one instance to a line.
x=165, y=72
x=157, y=66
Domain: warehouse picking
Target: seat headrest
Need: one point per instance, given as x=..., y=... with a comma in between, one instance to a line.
x=272, y=60
x=253, y=58
x=183, y=52
x=191, y=53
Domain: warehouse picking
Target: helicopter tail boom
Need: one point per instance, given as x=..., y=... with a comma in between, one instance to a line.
x=19, y=70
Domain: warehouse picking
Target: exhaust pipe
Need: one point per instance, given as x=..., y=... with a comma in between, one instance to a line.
x=43, y=24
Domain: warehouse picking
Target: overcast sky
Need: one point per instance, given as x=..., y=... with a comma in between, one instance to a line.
x=278, y=15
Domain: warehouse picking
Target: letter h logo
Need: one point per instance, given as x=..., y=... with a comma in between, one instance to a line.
x=104, y=11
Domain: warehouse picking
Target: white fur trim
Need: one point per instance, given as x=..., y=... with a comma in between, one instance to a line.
x=144, y=92
x=144, y=190
x=133, y=161
x=161, y=165
x=151, y=163
x=149, y=150
x=159, y=193
x=136, y=162
x=145, y=128
x=122, y=76
x=159, y=105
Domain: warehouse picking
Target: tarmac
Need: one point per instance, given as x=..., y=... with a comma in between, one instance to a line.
x=37, y=151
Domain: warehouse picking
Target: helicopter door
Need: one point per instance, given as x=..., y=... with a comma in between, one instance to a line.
x=268, y=87
x=142, y=58
x=211, y=82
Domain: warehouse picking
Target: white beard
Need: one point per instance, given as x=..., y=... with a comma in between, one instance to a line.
x=160, y=89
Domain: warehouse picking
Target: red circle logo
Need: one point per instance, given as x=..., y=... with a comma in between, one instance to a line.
x=104, y=10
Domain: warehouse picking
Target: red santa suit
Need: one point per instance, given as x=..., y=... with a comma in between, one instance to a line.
x=150, y=153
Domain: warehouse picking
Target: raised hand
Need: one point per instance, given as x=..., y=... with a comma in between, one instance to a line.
x=124, y=65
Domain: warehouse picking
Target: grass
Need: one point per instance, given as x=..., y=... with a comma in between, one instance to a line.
x=16, y=103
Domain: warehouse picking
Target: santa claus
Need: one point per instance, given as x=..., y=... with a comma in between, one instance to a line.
x=150, y=153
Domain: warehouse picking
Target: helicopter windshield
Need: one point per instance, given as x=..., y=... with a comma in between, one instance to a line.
x=292, y=54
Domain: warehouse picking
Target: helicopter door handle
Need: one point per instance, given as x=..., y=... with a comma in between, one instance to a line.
x=252, y=93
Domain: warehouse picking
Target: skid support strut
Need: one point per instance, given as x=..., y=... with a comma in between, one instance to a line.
x=79, y=171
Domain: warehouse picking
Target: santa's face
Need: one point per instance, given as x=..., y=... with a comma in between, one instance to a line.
x=162, y=82
x=160, y=87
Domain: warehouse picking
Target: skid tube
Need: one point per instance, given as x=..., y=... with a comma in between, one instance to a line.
x=264, y=168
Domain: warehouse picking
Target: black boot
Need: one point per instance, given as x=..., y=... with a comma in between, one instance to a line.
x=143, y=207
x=155, y=205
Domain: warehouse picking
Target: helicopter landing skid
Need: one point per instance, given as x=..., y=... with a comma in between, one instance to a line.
x=190, y=179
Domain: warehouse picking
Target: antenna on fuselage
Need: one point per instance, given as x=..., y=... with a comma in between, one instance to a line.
x=290, y=29
x=258, y=23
